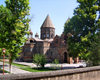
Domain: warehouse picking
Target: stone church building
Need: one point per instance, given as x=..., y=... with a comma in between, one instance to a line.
x=53, y=46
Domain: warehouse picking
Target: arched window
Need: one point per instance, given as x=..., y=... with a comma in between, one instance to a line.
x=48, y=35
x=44, y=35
x=51, y=53
x=65, y=57
x=51, y=35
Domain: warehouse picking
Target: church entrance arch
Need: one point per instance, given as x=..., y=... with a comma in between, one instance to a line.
x=65, y=57
x=31, y=41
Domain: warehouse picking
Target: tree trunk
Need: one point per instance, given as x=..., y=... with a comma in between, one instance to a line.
x=10, y=65
x=10, y=62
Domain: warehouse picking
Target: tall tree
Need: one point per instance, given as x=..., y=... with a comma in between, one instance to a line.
x=83, y=26
x=17, y=27
x=5, y=18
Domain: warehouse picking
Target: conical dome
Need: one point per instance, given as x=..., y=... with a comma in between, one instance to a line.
x=47, y=22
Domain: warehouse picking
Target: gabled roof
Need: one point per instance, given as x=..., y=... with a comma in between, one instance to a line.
x=48, y=40
x=47, y=22
x=37, y=39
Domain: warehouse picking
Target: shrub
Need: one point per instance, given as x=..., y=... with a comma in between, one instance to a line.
x=39, y=60
x=56, y=61
x=56, y=64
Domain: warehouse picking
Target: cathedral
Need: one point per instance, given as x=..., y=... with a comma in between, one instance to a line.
x=49, y=44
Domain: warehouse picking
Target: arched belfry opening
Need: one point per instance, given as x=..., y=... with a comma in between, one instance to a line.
x=65, y=57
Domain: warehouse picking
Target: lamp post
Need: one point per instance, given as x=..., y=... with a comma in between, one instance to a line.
x=3, y=50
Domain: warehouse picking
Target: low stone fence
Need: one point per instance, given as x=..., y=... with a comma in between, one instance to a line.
x=89, y=73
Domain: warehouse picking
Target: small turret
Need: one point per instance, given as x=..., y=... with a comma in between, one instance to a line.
x=36, y=35
x=30, y=33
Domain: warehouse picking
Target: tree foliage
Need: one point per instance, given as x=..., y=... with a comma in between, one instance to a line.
x=14, y=25
x=84, y=27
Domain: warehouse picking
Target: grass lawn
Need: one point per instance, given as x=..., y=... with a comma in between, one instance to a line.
x=38, y=69
x=28, y=68
x=1, y=71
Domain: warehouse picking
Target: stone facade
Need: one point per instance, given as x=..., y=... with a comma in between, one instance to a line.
x=54, y=47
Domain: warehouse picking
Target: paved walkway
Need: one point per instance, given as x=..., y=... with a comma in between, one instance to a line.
x=14, y=70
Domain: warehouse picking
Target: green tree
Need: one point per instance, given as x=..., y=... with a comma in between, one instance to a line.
x=39, y=60
x=14, y=27
x=5, y=17
x=95, y=50
x=83, y=27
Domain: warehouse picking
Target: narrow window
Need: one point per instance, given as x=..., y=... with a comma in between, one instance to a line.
x=47, y=35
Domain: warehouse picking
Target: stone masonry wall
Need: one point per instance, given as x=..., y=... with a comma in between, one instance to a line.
x=89, y=73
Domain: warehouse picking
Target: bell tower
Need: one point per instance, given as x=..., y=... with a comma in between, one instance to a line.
x=47, y=29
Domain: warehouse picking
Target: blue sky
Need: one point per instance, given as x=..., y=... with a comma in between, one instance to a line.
x=58, y=10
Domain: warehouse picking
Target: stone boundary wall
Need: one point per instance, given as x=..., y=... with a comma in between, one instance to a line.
x=88, y=73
